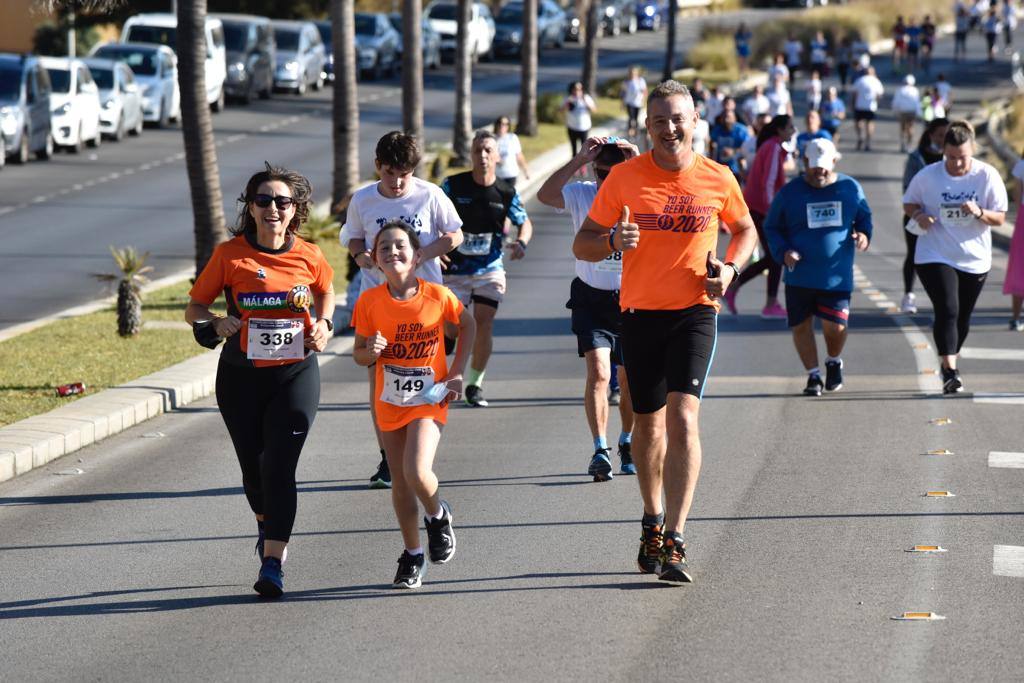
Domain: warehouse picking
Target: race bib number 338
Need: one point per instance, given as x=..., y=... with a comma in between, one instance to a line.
x=275, y=339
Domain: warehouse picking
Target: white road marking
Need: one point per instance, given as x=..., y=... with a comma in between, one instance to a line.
x=1006, y=459
x=6, y=209
x=39, y=200
x=992, y=354
x=999, y=398
x=1008, y=560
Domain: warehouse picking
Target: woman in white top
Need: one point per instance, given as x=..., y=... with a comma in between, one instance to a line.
x=634, y=96
x=866, y=91
x=578, y=106
x=510, y=151
x=906, y=102
x=954, y=204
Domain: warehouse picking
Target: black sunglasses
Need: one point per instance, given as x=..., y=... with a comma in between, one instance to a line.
x=280, y=201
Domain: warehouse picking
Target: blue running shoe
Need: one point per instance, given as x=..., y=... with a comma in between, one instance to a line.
x=600, y=465
x=626, y=458
x=270, y=583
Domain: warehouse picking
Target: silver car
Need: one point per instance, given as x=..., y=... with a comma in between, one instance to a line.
x=378, y=49
x=120, y=98
x=301, y=56
x=155, y=68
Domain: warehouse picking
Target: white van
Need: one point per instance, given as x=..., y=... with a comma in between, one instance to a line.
x=162, y=28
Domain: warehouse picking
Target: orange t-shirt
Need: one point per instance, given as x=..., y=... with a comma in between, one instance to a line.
x=678, y=214
x=414, y=332
x=263, y=283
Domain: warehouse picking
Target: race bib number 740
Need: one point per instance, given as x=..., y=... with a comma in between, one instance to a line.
x=824, y=215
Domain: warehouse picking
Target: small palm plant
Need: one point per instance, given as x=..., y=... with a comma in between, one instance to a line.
x=320, y=228
x=132, y=274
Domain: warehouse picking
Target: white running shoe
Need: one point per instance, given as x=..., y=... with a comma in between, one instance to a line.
x=909, y=303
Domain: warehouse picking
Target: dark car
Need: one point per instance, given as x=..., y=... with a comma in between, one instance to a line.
x=651, y=14
x=618, y=16
x=251, y=56
x=431, y=41
x=24, y=108
x=508, y=34
x=377, y=45
x=324, y=27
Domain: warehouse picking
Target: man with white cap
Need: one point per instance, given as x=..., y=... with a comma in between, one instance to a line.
x=815, y=223
x=906, y=103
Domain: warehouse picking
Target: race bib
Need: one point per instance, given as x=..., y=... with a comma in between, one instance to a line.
x=825, y=215
x=952, y=214
x=275, y=339
x=406, y=387
x=611, y=264
x=476, y=245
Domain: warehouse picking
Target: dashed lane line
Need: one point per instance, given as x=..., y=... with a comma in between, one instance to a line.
x=999, y=398
x=1008, y=560
x=1006, y=459
x=992, y=354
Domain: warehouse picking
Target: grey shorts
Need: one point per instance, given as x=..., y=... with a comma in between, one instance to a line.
x=483, y=288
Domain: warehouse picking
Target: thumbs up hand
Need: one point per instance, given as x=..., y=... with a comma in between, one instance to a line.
x=376, y=344
x=627, y=233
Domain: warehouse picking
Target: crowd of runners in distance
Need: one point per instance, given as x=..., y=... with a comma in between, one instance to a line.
x=429, y=279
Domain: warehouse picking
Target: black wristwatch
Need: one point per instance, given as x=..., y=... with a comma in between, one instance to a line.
x=734, y=269
x=521, y=244
x=330, y=323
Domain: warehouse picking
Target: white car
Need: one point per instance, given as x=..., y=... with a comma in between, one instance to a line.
x=162, y=28
x=442, y=17
x=74, y=103
x=120, y=99
x=156, y=74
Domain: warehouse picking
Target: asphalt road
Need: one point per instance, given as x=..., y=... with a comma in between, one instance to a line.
x=141, y=566
x=58, y=218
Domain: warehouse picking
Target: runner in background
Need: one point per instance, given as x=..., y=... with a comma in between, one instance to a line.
x=866, y=92
x=962, y=23
x=928, y=31
x=906, y=104
x=833, y=113
x=742, y=39
x=992, y=26
x=510, y=152
x=578, y=106
x=844, y=61
x=928, y=151
x=794, y=50
x=634, y=94
x=819, y=54
x=899, y=44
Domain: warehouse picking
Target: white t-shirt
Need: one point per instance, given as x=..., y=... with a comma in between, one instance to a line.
x=754, y=105
x=424, y=207
x=508, y=148
x=907, y=100
x=606, y=274
x=713, y=106
x=793, y=50
x=778, y=102
x=578, y=116
x=867, y=90
x=633, y=92
x=701, y=135
x=957, y=239
x=780, y=70
x=944, y=89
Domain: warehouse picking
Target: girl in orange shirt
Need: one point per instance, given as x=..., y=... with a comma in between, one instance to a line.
x=399, y=327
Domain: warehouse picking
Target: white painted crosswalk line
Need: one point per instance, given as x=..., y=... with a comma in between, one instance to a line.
x=1008, y=560
x=1006, y=459
x=999, y=398
x=992, y=354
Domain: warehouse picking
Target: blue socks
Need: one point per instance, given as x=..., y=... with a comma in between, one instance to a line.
x=625, y=437
x=600, y=442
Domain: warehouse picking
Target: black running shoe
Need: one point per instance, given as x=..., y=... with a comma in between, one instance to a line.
x=411, y=569
x=814, y=385
x=833, y=375
x=475, y=397
x=626, y=458
x=381, y=479
x=651, y=540
x=952, y=383
x=673, y=560
x=270, y=583
x=440, y=536
x=601, y=465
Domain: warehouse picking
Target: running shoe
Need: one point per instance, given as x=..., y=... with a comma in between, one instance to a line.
x=651, y=540
x=440, y=535
x=952, y=383
x=773, y=312
x=814, y=385
x=614, y=397
x=626, y=465
x=475, y=397
x=411, y=569
x=673, y=560
x=1016, y=325
x=381, y=479
x=833, y=375
x=730, y=301
x=908, y=304
x=270, y=583
x=600, y=465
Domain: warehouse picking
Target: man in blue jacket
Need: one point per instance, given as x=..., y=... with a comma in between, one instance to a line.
x=814, y=225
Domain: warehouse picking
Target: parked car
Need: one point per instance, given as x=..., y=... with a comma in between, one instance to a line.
x=376, y=45
x=651, y=14
x=573, y=25
x=250, y=53
x=120, y=98
x=301, y=56
x=618, y=16
x=74, y=103
x=162, y=28
x=442, y=17
x=155, y=68
x=431, y=41
x=324, y=27
x=508, y=37
x=25, y=124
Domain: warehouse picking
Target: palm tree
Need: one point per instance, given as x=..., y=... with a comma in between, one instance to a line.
x=131, y=275
x=462, y=132
x=670, y=49
x=345, y=109
x=592, y=33
x=527, y=124
x=412, y=68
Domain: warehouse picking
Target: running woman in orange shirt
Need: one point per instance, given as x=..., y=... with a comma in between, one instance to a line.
x=399, y=328
x=662, y=210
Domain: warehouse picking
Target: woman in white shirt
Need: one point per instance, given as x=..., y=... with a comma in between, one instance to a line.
x=511, y=152
x=578, y=106
x=954, y=203
x=906, y=102
x=634, y=96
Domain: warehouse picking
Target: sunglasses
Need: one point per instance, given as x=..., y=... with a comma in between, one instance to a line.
x=280, y=201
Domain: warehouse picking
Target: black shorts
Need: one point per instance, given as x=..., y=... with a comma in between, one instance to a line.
x=596, y=319
x=803, y=302
x=863, y=115
x=667, y=351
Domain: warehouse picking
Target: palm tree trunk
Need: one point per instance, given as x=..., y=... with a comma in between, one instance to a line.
x=670, y=49
x=412, y=68
x=345, y=105
x=463, y=129
x=197, y=131
x=527, y=124
x=592, y=37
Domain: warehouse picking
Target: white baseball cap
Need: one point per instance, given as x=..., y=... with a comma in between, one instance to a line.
x=821, y=153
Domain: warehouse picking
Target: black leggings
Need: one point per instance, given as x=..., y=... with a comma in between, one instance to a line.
x=953, y=294
x=758, y=267
x=268, y=413
x=908, y=261
x=577, y=138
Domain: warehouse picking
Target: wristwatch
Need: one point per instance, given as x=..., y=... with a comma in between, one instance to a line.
x=734, y=269
x=330, y=323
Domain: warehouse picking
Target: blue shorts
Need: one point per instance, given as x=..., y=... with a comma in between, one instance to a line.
x=802, y=303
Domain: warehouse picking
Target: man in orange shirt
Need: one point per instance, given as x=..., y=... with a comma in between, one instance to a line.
x=662, y=210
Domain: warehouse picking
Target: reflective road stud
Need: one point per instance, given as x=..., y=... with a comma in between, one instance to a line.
x=940, y=494
x=929, y=371
x=926, y=549
x=918, y=616
x=939, y=451
x=940, y=421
